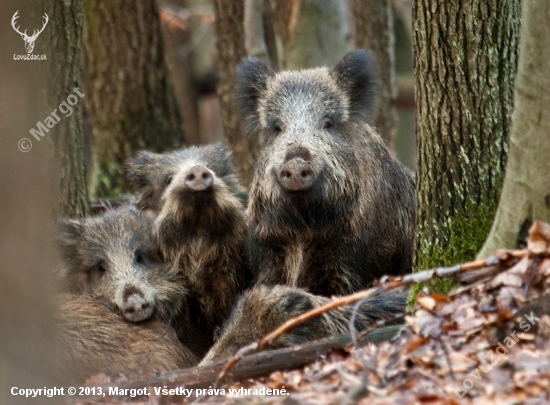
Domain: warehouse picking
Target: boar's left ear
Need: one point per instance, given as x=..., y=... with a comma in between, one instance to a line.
x=356, y=74
x=252, y=78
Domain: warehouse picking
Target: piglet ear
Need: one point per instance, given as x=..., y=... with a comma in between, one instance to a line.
x=70, y=233
x=138, y=169
x=252, y=79
x=356, y=74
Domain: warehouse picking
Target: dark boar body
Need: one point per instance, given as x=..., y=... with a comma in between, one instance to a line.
x=197, y=200
x=329, y=209
x=262, y=309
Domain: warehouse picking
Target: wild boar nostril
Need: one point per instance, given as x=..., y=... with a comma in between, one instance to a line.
x=296, y=175
x=199, y=178
x=137, y=309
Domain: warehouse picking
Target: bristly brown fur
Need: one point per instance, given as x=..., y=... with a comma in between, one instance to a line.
x=356, y=221
x=203, y=233
x=96, y=340
x=262, y=309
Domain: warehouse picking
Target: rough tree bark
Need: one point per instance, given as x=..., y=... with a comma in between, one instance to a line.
x=465, y=65
x=374, y=31
x=526, y=190
x=64, y=71
x=129, y=97
x=230, y=49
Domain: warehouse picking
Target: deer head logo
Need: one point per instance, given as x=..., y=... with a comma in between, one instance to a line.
x=29, y=41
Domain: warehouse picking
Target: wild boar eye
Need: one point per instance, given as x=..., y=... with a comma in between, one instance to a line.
x=168, y=179
x=277, y=128
x=327, y=125
x=101, y=267
x=139, y=257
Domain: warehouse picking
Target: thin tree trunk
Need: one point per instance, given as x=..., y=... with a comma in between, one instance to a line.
x=465, y=65
x=230, y=49
x=403, y=8
x=130, y=98
x=526, y=191
x=374, y=31
x=254, y=37
x=179, y=59
x=64, y=73
x=320, y=36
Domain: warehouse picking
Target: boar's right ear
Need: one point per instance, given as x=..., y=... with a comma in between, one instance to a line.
x=138, y=169
x=356, y=74
x=252, y=78
x=69, y=234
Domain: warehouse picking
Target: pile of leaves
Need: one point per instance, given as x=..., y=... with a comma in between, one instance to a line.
x=486, y=342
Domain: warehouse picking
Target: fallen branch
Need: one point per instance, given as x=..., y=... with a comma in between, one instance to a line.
x=259, y=364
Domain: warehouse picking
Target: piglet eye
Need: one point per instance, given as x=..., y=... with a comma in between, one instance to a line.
x=101, y=267
x=139, y=257
x=168, y=179
x=277, y=128
x=327, y=125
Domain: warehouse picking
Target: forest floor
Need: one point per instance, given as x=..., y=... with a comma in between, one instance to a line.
x=487, y=342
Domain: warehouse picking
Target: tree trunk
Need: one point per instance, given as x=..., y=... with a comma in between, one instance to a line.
x=465, y=65
x=254, y=36
x=319, y=34
x=230, y=49
x=28, y=355
x=130, y=99
x=526, y=190
x=64, y=60
x=403, y=8
x=374, y=31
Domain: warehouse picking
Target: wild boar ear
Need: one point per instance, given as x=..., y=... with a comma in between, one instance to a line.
x=252, y=79
x=69, y=235
x=138, y=169
x=356, y=74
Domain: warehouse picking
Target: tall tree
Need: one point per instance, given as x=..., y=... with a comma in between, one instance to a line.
x=465, y=65
x=27, y=183
x=130, y=100
x=230, y=49
x=64, y=71
x=374, y=31
x=526, y=190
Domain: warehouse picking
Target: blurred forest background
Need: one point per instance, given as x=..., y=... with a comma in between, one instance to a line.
x=202, y=41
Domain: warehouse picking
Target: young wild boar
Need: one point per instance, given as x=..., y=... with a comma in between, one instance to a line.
x=119, y=284
x=200, y=225
x=329, y=209
x=98, y=340
x=262, y=309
